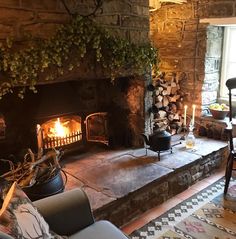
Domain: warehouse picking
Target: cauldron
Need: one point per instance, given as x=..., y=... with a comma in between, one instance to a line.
x=50, y=187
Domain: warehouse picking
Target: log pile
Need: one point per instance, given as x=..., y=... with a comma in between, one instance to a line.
x=167, y=103
x=34, y=168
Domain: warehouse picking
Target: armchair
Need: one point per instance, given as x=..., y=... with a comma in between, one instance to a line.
x=69, y=214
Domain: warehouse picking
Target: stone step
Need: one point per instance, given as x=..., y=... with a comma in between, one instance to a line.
x=122, y=184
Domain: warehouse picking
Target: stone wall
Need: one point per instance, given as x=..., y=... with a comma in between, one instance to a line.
x=127, y=18
x=211, y=77
x=189, y=48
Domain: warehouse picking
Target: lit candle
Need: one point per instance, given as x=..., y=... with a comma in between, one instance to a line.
x=185, y=114
x=193, y=116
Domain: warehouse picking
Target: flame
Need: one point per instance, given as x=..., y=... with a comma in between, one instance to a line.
x=60, y=130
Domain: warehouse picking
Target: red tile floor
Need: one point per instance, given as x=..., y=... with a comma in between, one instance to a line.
x=157, y=211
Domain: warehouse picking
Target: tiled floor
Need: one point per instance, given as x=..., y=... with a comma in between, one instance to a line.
x=157, y=211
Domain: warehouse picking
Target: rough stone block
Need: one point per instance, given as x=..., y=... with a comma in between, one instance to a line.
x=173, y=26
x=134, y=21
x=179, y=182
x=114, y=6
x=197, y=176
x=188, y=64
x=140, y=10
x=80, y=7
x=201, y=48
x=43, y=30
x=9, y=3
x=188, y=36
x=210, y=86
x=137, y=36
x=123, y=33
x=222, y=9
x=110, y=20
x=191, y=25
x=13, y=16
x=6, y=31
x=53, y=17
x=170, y=64
x=214, y=48
x=158, y=16
x=214, y=126
x=212, y=65
x=209, y=97
x=39, y=4
x=215, y=32
x=183, y=12
x=194, y=169
x=184, y=49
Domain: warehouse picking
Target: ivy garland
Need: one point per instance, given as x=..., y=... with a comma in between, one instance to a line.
x=23, y=67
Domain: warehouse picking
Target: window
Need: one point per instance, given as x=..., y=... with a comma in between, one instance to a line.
x=228, y=60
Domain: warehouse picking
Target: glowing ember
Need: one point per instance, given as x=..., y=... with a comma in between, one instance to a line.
x=60, y=130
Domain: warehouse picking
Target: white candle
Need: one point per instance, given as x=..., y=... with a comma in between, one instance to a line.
x=193, y=116
x=185, y=114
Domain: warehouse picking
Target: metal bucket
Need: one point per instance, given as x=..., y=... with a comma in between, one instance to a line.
x=48, y=188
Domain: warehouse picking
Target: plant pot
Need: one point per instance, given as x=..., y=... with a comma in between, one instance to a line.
x=48, y=188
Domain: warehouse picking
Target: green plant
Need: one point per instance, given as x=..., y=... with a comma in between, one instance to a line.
x=52, y=57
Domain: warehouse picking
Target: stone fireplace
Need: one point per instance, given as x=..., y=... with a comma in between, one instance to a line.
x=72, y=114
x=84, y=102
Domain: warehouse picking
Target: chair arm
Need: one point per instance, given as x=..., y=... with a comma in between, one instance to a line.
x=67, y=212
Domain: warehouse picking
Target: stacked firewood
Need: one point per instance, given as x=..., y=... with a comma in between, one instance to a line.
x=167, y=103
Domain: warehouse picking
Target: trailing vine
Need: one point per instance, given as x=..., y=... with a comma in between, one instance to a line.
x=23, y=66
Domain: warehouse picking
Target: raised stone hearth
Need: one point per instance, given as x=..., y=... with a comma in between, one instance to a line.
x=122, y=184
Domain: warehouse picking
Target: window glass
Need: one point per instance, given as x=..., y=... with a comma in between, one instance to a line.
x=228, y=69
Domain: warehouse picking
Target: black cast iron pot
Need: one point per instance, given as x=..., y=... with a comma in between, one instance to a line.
x=158, y=141
x=50, y=187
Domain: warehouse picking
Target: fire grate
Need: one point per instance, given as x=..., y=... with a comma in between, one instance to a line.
x=59, y=132
x=61, y=141
x=66, y=130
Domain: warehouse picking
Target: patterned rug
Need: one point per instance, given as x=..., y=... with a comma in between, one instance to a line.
x=205, y=215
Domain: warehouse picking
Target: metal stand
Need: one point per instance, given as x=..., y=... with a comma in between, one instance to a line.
x=184, y=133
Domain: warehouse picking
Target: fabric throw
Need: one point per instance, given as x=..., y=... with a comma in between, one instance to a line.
x=206, y=215
x=20, y=219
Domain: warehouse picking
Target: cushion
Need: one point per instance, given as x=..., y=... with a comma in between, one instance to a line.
x=20, y=219
x=100, y=230
x=4, y=188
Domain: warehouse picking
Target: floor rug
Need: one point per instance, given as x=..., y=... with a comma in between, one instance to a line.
x=205, y=215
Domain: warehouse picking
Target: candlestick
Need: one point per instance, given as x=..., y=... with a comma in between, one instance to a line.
x=185, y=115
x=193, y=116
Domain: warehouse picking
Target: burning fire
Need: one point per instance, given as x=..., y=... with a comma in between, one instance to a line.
x=60, y=130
